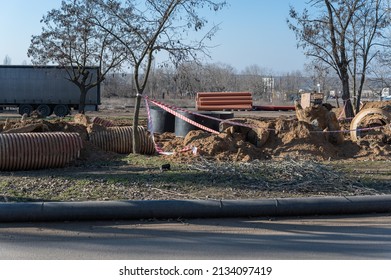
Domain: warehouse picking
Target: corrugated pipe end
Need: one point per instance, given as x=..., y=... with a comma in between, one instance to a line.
x=119, y=140
x=25, y=151
x=102, y=122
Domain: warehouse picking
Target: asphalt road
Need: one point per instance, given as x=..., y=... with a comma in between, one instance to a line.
x=334, y=237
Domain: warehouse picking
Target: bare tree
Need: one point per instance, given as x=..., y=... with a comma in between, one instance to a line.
x=7, y=60
x=291, y=83
x=327, y=37
x=255, y=81
x=319, y=73
x=366, y=33
x=217, y=77
x=152, y=27
x=116, y=85
x=189, y=78
x=164, y=81
x=70, y=40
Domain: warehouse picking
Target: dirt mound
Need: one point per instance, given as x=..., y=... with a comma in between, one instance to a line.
x=324, y=118
x=385, y=105
x=286, y=138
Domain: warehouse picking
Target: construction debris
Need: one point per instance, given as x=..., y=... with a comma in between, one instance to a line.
x=27, y=128
x=311, y=99
x=314, y=134
x=370, y=117
x=321, y=115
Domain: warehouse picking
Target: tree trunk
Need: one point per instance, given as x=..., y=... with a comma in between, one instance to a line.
x=82, y=101
x=347, y=104
x=136, y=138
x=358, y=100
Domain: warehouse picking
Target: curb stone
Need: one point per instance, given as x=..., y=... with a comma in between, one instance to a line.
x=165, y=209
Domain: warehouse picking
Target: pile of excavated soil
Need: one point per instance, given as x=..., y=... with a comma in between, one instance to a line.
x=386, y=105
x=314, y=134
x=288, y=138
x=40, y=125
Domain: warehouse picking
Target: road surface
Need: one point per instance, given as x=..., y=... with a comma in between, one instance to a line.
x=320, y=238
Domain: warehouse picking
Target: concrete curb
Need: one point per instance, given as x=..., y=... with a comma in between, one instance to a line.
x=164, y=209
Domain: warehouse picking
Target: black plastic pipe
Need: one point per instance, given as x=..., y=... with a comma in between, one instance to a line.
x=164, y=209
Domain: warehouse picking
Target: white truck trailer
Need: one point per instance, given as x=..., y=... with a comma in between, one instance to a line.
x=45, y=89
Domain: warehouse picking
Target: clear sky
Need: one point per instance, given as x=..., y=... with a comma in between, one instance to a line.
x=252, y=32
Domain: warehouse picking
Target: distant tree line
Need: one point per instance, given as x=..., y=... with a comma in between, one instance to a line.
x=187, y=79
x=266, y=85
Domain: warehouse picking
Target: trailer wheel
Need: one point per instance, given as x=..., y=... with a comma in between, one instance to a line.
x=44, y=110
x=25, y=109
x=61, y=110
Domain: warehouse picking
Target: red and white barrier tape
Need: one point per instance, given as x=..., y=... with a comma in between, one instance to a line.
x=150, y=128
x=350, y=130
x=343, y=110
x=158, y=149
x=176, y=114
x=172, y=108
